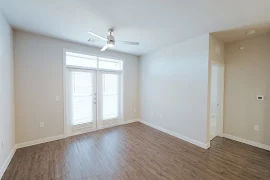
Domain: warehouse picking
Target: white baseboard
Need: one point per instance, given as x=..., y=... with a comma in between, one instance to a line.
x=207, y=145
x=190, y=140
x=104, y=127
x=49, y=139
x=6, y=163
x=63, y=136
x=131, y=121
x=221, y=135
x=40, y=141
x=245, y=141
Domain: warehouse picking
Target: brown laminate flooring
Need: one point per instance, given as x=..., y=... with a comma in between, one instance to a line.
x=136, y=151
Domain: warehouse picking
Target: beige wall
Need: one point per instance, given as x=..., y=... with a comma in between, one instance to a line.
x=213, y=53
x=39, y=78
x=174, y=88
x=247, y=75
x=7, y=124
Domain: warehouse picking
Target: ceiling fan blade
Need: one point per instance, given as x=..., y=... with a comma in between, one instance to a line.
x=104, y=48
x=130, y=43
x=105, y=39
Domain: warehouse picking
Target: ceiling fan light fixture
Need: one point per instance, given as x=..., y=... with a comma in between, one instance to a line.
x=110, y=44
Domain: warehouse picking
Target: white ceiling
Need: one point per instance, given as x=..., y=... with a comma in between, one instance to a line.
x=154, y=23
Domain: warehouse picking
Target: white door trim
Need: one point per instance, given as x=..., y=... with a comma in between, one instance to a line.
x=98, y=71
x=220, y=113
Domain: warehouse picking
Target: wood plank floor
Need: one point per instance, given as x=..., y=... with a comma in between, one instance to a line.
x=136, y=151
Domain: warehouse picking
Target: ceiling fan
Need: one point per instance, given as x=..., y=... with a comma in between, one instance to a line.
x=111, y=40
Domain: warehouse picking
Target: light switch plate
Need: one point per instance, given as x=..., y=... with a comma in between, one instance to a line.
x=57, y=98
x=256, y=128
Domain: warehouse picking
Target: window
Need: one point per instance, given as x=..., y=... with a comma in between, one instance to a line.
x=92, y=62
x=105, y=63
x=80, y=60
x=110, y=96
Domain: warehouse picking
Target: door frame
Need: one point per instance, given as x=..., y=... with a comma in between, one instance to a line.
x=220, y=113
x=65, y=67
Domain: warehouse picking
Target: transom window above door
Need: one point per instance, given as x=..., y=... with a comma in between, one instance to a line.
x=92, y=62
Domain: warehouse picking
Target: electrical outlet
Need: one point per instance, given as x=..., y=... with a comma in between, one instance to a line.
x=256, y=128
x=260, y=98
x=41, y=124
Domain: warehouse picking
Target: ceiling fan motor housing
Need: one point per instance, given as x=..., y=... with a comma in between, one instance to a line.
x=110, y=40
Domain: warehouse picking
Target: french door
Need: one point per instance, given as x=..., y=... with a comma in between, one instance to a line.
x=93, y=98
x=109, y=98
x=82, y=99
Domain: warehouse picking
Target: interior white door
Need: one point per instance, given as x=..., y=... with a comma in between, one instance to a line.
x=109, y=98
x=83, y=99
x=214, y=101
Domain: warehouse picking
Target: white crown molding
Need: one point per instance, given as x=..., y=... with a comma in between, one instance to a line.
x=187, y=139
x=245, y=141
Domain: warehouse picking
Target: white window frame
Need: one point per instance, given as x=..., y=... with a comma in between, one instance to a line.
x=91, y=68
x=100, y=125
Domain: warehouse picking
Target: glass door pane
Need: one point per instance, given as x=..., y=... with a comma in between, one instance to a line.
x=83, y=99
x=110, y=96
